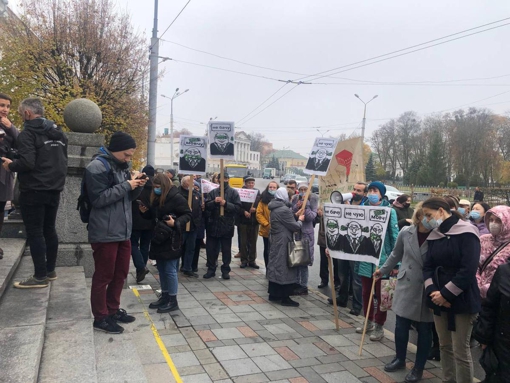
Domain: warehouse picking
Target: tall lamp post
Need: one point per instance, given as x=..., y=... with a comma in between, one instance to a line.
x=364, y=114
x=176, y=94
x=322, y=134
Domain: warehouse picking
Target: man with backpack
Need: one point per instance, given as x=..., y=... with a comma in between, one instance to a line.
x=111, y=190
x=41, y=165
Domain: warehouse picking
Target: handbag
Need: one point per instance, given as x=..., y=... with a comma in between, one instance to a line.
x=162, y=233
x=387, y=290
x=298, y=253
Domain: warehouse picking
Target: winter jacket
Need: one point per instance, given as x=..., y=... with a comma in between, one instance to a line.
x=42, y=162
x=450, y=268
x=111, y=217
x=403, y=213
x=409, y=300
x=263, y=214
x=283, y=226
x=246, y=206
x=307, y=230
x=321, y=237
x=366, y=269
x=478, y=196
x=482, y=228
x=196, y=207
x=489, y=244
x=177, y=205
x=6, y=177
x=493, y=327
x=139, y=222
x=222, y=226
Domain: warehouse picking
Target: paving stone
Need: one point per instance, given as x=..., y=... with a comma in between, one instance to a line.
x=174, y=340
x=232, y=324
x=283, y=374
x=216, y=343
x=193, y=312
x=307, y=350
x=227, y=333
x=196, y=344
x=332, y=358
x=228, y=353
x=215, y=371
x=207, y=335
x=201, y=319
x=340, y=377
x=369, y=362
x=271, y=363
x=274, y=314
x=229, y=342
x=379, y=374
x=191, y=370
x=240, y=367
x=225, y=318
x=351, y=352
x=379, y=349
x=249, y=316
x=199, y=378
x=159, y=372
x=242, y=309
x=281, y=328
x=327, y=368
x=309, y=339
x=354, y=369
x=286, y=353
x=337, y=340
x=306, y=362
x=260, y=349
x=254, y=378
x=185, y=359
x=218, y=310
x=310, y=375
x=323, y=324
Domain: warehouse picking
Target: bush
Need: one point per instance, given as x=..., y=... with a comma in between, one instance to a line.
x=453, y=185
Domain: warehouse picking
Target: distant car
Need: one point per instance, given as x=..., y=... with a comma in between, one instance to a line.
x=300, y=179
x=392, y=193
x=315, y=186
x=289, y=177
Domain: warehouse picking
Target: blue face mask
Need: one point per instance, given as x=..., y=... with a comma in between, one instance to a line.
x=157, y=191
x=461, y=210
x=475, y=215
x=301, y=194
x=432, y=224
x=426, y=224
x=373, y=198
x=272, y=192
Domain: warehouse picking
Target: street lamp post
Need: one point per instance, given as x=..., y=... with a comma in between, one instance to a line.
x=364, y=114
x=176, y=94
x=322, y=134
x=153, y=89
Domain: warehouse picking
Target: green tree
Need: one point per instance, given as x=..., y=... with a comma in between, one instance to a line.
x=370, y=173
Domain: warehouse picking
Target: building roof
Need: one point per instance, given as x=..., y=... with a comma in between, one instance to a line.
x=286, y=154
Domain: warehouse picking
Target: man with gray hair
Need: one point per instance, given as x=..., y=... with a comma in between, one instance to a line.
x=42, y=168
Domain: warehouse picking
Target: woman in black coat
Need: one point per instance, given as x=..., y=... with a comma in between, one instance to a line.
x=493, y=327
x=171, y=211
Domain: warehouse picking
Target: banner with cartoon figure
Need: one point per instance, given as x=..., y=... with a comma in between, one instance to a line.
x=221, y=139
x=193, y=155
x=320, y=156
x=356, y=233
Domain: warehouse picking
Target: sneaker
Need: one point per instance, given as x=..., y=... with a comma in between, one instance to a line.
x=209, y=275
x=253, y=265
x=225, y=275
x=370, y=327
x=195, y=270
x=238, y=255
x=244, y=265
x=140, y=275
x=108, y=325
x=190, y=274
x=354, y=312
x=51, y=276
x=153, y=262
x=289, y=302
x=31, y=283
x=122, y=316
x=378, y=333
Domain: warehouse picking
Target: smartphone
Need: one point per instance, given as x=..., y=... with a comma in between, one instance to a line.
x=142, y=177
x=139, y=202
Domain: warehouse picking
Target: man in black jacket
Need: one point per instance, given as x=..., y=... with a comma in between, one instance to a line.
x=190, y=235
x=220, y=229
x=42, y=170
x=248, y=228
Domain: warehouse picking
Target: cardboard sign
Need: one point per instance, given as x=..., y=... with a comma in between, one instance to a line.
x=356, y=233
x=320, y=156
x=208, y=186
x=248, y=195
x=193, y=155
x=221, y=139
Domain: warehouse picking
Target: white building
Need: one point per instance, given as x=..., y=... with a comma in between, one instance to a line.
x=254, y=161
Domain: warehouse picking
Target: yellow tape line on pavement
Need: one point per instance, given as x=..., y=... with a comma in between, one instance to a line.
x=160, y=343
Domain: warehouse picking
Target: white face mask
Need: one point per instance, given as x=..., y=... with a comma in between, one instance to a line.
x=495, y=228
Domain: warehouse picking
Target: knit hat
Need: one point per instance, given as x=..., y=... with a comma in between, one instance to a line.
x=302, y=185
x=121, y=141
x=172, y=172
x=197, y=184
x=379, y=186
x=149, y=170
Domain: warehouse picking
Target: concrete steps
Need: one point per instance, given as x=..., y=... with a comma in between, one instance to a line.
x=13, y=251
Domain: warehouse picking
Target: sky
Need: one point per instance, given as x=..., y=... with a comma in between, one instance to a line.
x=308, y=37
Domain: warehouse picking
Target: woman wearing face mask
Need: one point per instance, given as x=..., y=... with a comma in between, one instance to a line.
x=477, y=215
x=282, y=278
x=452, y=292
x=166, y=201
x=376, y=193
x=263, y=216
x=402, y=206
x=495, y=246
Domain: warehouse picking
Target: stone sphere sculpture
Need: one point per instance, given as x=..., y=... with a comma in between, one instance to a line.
x=83, y=116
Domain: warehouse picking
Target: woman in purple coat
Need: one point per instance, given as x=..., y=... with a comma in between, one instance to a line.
x=307, y=231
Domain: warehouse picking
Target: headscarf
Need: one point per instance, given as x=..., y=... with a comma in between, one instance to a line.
x=282, y=194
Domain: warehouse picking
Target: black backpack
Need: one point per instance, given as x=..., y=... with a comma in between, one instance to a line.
x=84, y=204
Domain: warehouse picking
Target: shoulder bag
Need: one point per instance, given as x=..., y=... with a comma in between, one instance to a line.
x=298, y=253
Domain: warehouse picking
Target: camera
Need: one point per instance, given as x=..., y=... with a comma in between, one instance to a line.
x=167, y=217
x=12, y=154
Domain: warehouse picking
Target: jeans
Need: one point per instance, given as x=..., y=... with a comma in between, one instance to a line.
x=189, y=239
x=456, y=360
x=111, y=262
x=302, y=276
x=402, y=327
x=267, y=247
x=39, y=212
x=140, y=254
x=168, y=275
x=213, y=250
x=248, y=247
x=380, y=316
x=348, y=276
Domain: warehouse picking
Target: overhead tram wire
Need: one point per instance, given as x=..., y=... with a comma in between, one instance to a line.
x=262, y=103
x=172, y=23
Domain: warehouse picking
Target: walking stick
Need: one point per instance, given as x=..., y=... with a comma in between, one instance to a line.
x=370, y=303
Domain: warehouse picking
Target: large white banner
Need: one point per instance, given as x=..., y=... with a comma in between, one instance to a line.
x=208, y=186
x=193, y=155
x=320, y=156
x=356, y=233
x=248, y=195
x=221, y=139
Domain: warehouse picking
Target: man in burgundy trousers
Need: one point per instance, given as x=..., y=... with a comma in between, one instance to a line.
x=111, y=192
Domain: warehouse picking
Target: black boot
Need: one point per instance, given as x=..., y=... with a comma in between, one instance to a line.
x=414, y=376
x=171, y=305
x=163, y=300
x=434, y=353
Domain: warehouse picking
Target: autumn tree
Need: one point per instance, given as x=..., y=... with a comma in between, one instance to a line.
x=67, y=49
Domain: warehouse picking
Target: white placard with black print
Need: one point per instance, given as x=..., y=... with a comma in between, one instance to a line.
x=221, y=139
x=193, y=155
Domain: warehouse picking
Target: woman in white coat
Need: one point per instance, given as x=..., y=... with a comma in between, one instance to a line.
x=409, y=300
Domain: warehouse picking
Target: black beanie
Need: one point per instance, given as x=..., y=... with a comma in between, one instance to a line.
x=121, y=141
x=148, y=170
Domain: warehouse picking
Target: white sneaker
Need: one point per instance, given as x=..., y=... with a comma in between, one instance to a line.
x=378, y=333
x=153, y=262
x=370, y=327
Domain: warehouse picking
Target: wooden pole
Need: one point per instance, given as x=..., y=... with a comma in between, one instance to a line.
x=190, y=199
x=333, y=291
x=305, y=200
x=370, y=303
x=222, y=187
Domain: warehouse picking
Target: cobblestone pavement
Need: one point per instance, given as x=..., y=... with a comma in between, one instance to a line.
x=227, y=331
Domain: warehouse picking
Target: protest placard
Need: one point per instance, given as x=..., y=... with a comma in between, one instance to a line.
x=208, y=186
x=193, y=155
x=320, y=156
x=247, y=195
x=221, y=138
